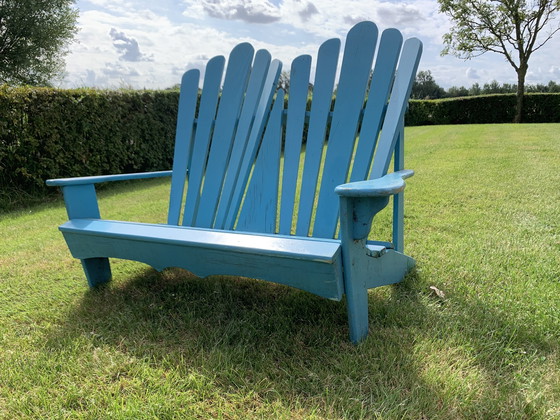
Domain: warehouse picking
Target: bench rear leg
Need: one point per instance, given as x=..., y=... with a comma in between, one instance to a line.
x=98, y=271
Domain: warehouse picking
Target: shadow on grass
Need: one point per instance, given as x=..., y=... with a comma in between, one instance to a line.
x=279, y=343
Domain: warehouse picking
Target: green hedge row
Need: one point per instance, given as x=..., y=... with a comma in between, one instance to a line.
x=50, y=133
x=485, y=109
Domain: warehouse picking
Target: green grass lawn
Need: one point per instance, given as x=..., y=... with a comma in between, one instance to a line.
x=482, y=221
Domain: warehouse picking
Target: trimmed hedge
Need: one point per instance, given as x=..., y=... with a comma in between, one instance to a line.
x=51, y=133
x=485, y=109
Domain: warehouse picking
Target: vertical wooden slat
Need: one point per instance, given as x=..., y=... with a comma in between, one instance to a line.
x=231, y=98
x=412, y=49
x=246, y=119
x=297, y=102
x=356, y=66
x=258, y=213
x=206, y=113
x=398, y=199
x=327, y=60
x=183, y=142
x=255, y=137
x=381, y=82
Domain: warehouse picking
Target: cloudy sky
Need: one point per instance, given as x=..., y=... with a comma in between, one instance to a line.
x=150, y=43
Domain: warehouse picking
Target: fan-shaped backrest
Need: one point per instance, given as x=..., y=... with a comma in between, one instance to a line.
x=230, y=186
x=217, y=139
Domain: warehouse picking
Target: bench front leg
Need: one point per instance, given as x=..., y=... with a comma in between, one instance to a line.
x=356, y=215
x=81, y=203
x=359, y=203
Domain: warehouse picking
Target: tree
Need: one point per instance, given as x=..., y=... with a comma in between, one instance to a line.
x=553, y=87
x=492, y=87
x=475, y=90
x=507, y=27
x=284, y=81
x=34, y=38
x=456, y=92
x=425, y=87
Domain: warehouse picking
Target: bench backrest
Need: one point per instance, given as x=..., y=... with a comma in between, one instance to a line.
x=230, y=144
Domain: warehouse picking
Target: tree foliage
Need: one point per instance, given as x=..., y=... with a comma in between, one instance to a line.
x=284, y=81
x=34, y=38
x=425, y=87
x=513, y=28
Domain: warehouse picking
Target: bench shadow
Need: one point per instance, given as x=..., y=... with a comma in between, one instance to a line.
x=295, y=342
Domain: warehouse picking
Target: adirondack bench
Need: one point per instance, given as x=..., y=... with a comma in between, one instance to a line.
x=234, y=192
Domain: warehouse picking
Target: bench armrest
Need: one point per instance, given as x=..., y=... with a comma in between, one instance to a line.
x=361, y=201
x=86, y=180
x=389, y=184
x=79, y=192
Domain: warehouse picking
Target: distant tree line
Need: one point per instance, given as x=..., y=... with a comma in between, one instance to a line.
x=425, y=87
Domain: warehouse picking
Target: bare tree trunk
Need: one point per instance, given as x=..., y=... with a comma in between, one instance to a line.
x=521, y=73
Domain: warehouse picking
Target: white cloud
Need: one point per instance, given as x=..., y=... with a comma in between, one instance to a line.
x=400, y=15
x=554, y=72
x=251, y=11
x=154, y=42
x=309, y=10
x=472, y=73
x=128, y=47
x=151, y=44
x=114, y=6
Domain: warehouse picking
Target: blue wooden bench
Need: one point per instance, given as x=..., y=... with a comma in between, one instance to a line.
x=243, y=201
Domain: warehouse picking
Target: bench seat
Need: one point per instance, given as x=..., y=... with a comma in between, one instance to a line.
x=310, y=264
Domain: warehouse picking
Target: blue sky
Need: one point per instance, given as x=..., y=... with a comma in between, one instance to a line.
x=149, y=44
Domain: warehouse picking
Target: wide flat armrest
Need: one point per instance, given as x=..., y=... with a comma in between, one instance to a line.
x=85, y=180
x=389, y=184
x=361, y=201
